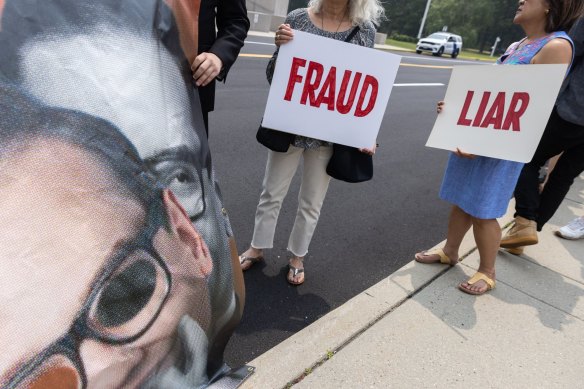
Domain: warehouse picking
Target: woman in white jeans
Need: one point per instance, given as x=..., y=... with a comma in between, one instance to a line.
x=333, y=19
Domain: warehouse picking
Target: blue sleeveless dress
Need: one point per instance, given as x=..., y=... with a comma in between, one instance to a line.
x=483, y=186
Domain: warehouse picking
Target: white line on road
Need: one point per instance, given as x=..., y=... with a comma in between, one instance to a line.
x=259, y=43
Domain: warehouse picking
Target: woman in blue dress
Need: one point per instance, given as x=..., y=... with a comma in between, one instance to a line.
x=480, y=187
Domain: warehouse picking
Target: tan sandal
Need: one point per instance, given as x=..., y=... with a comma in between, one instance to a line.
x=439, y=252
x=246, y=262
x=478, y=276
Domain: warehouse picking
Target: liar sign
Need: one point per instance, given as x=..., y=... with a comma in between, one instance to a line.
x=498, y=116
x=497, y=111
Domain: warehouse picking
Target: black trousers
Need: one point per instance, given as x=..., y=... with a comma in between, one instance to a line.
x=559, y=136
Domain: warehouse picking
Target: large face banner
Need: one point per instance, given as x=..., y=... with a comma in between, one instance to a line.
x=116, y=268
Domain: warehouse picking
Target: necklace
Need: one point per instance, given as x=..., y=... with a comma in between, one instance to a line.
x=524, y=43
x=322, y=20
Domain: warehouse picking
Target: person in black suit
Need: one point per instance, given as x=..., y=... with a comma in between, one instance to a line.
x=218, y=48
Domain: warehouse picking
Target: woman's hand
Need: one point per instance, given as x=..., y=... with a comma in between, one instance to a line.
x=284, y=34
x=458, y=152
x=370, y=151
x=462, y=154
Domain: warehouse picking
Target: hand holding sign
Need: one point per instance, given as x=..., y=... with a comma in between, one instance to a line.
x=458, y=151
x=284, y=34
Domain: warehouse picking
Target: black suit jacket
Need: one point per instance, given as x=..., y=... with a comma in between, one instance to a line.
x=225, y=43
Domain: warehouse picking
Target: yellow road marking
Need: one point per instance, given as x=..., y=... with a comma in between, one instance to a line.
x=402, y=64
x=256, y=55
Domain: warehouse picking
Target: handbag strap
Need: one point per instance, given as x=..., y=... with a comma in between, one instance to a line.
x=352, y=34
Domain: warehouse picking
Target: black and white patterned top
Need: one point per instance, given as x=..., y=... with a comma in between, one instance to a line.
x=299, y=20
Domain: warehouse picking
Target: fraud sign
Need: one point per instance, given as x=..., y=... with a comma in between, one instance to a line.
x=497, y=111
x=330, y=90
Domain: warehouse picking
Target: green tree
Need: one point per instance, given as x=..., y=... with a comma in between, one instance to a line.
x=478, y=22
x=403, y=16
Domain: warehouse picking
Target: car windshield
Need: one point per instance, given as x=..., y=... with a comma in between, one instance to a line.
x=438, y=36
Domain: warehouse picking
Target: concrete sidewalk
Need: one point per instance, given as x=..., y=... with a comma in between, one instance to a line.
x=416, y=329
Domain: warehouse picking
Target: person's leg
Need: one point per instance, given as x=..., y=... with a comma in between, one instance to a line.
x=487, y=234
x=569, y=166
x=315, y=182
x=459, y=223
x=526, y=193
x=573, y=230
x=527, y=196
x=280, y=169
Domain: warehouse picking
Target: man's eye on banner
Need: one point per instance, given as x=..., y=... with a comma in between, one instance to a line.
x=117, y=266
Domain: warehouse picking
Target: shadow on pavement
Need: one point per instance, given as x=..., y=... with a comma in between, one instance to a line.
x=268, y=295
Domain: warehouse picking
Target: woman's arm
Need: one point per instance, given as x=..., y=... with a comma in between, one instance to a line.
x=368, y=40
x=556, y=51
x=367, y=35
x=284, y=34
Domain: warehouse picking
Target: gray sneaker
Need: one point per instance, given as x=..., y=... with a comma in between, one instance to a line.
x=573, y=230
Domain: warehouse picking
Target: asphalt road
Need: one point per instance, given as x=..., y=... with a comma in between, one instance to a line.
x=366, y=231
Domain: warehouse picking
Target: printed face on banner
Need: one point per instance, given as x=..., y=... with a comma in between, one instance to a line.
x=330, y=90
x=113, y=293
x=497, y=111
x=111, y=265
x=132, y=65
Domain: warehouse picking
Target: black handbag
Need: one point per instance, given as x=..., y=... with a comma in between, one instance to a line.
x=273, y=139
x=349, y=164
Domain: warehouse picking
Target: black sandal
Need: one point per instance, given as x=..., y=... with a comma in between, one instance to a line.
x=293, y=272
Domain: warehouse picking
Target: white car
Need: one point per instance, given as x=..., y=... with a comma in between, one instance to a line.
x=440, y=43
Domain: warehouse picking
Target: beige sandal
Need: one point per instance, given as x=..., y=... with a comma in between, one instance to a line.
x=246, y=262
x=439, y=252
x=478, y=276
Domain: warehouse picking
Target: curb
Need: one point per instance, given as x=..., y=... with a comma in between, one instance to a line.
x=299, y=355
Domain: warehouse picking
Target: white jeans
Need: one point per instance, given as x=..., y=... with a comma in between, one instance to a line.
x=280, y=170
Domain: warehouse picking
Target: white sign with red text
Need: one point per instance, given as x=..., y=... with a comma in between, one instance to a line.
x=497, y=111
x=330, y=90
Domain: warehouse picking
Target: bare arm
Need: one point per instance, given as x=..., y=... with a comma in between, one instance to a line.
x=556, y=51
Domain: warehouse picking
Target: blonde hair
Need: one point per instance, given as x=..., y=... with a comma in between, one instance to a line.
x=360, y=11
